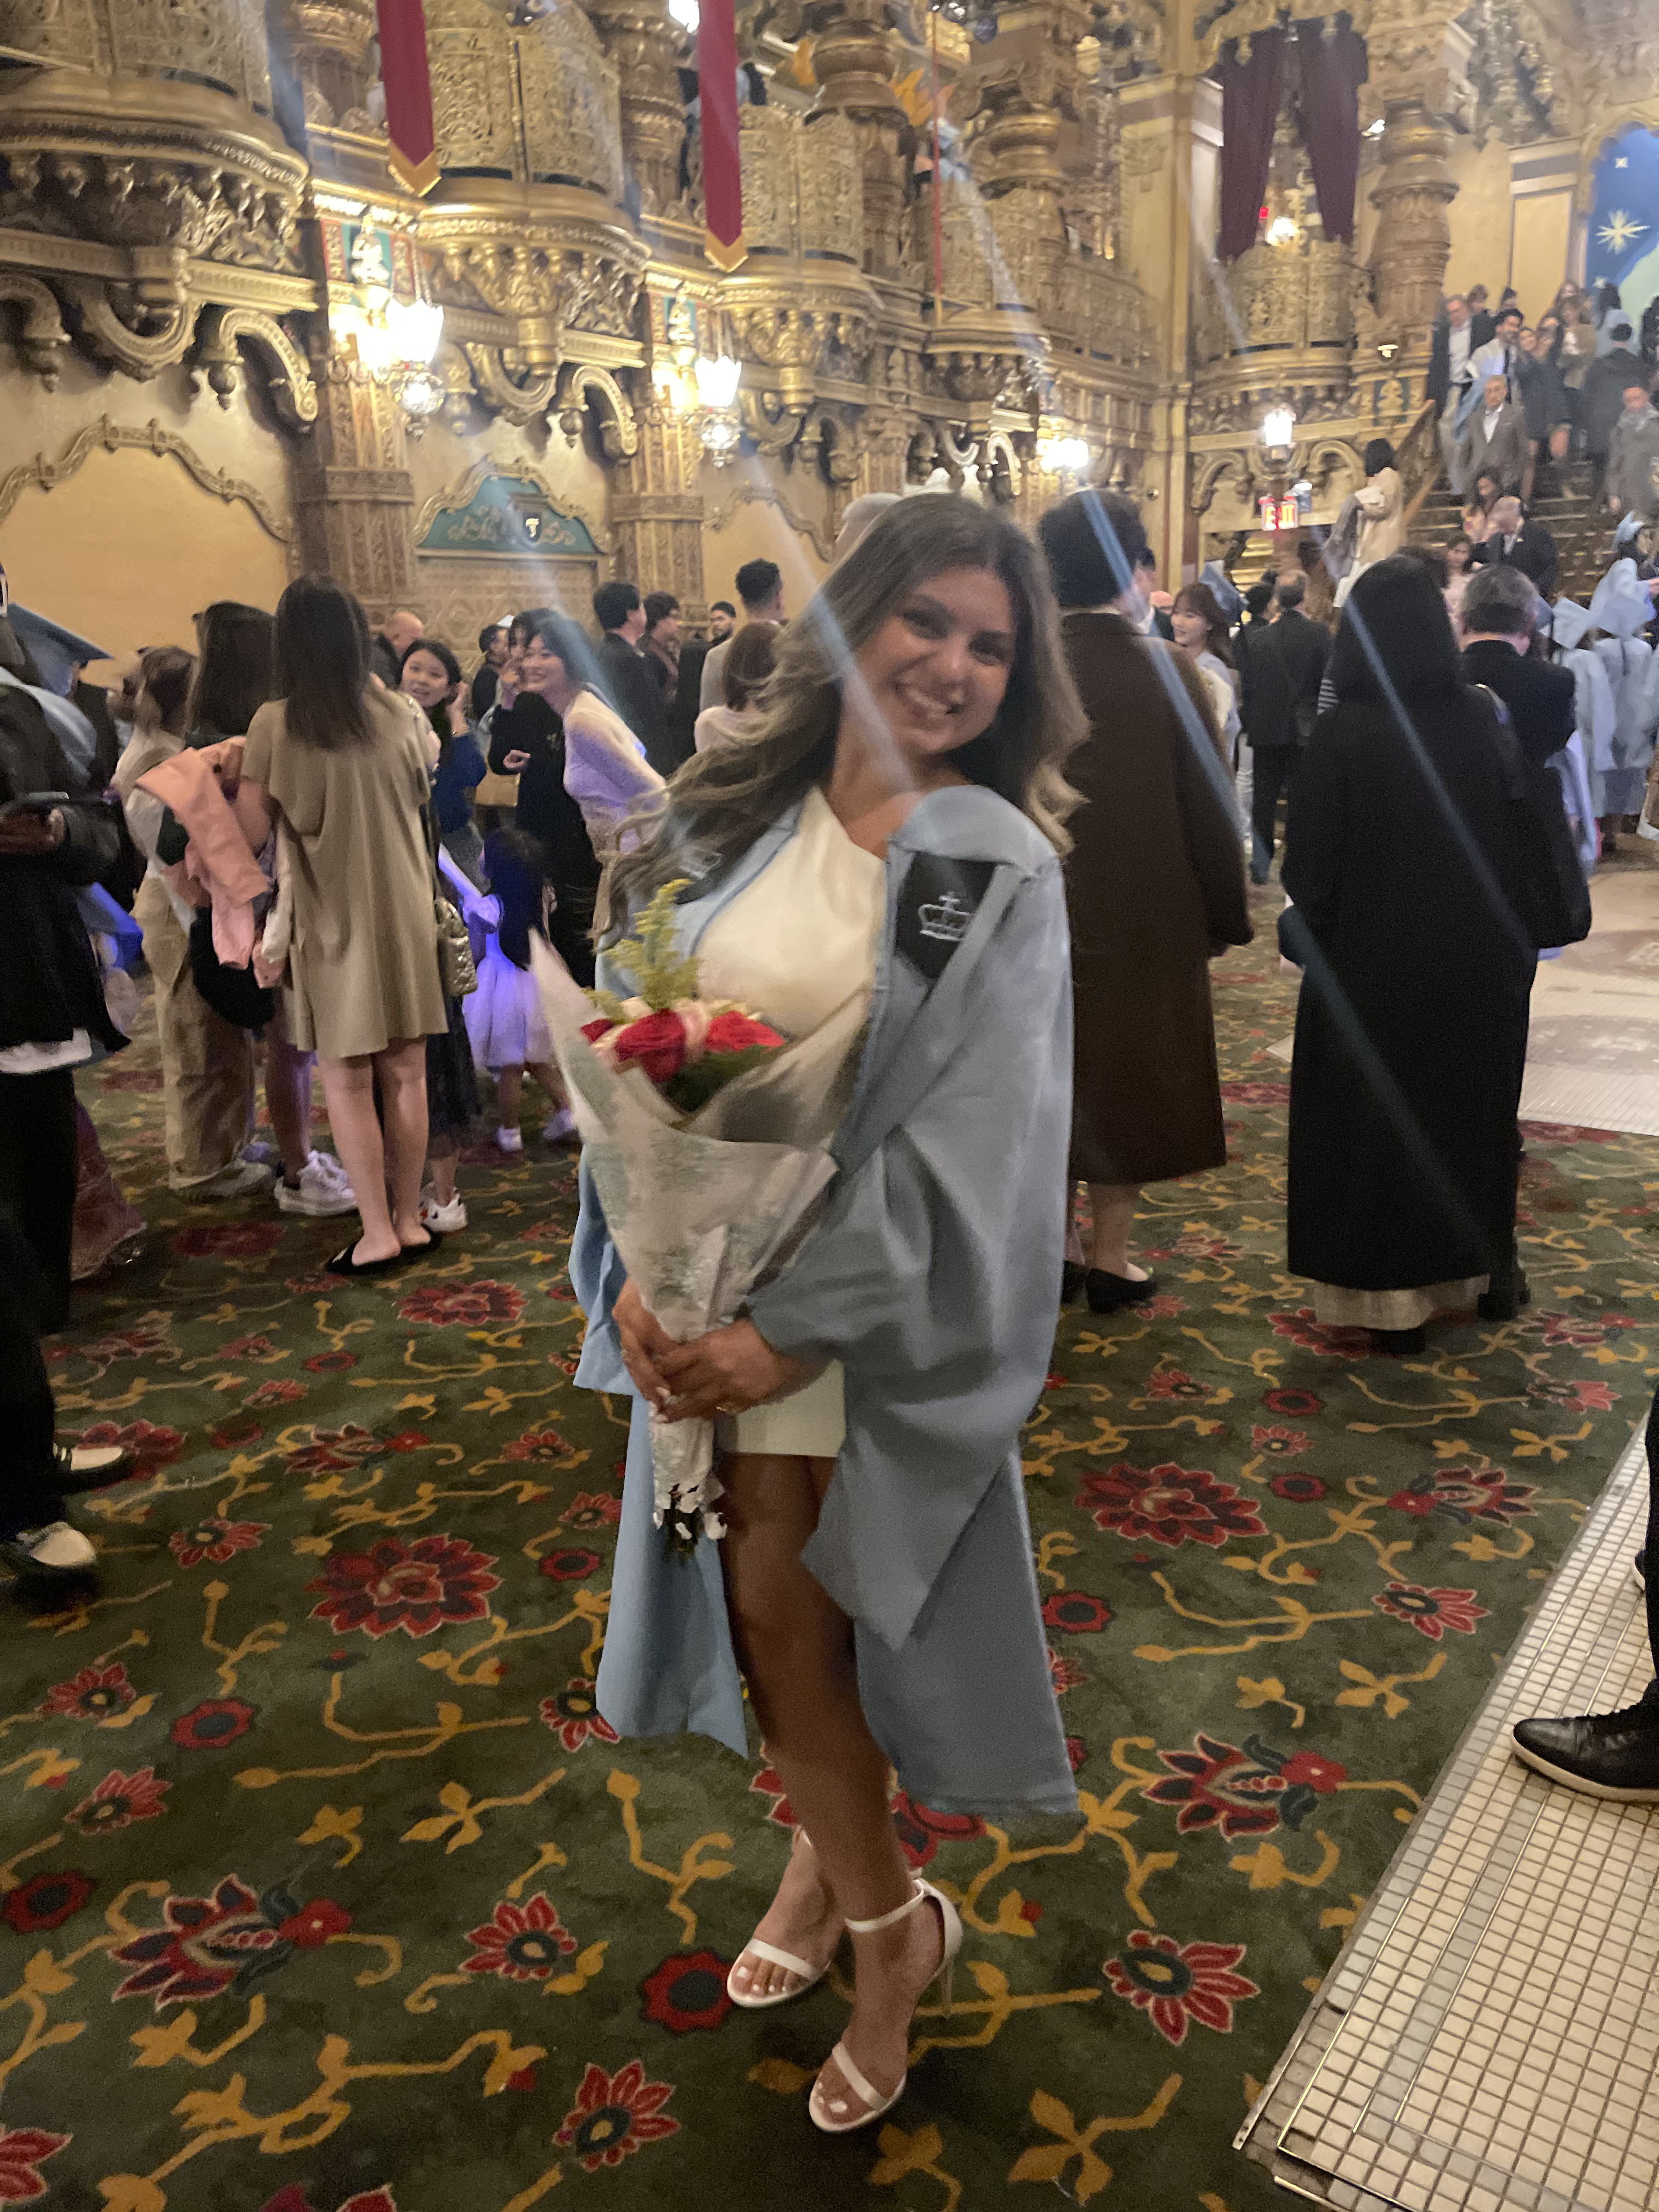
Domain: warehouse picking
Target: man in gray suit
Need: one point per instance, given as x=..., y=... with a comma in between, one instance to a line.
x=1495, y=440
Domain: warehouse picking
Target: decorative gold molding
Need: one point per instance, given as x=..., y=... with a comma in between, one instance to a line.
x=619, y=433
x=112, y=437
x=43, y=341
x=464, y=489
x=287, y=379
x=747, y=492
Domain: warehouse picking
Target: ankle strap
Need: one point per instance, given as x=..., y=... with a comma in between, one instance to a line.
x=887, y=1919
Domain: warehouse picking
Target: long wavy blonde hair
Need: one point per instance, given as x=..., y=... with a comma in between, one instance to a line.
x=723, y=799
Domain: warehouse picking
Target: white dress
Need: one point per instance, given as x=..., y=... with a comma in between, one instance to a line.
x=504, y=1023
x=793, y=949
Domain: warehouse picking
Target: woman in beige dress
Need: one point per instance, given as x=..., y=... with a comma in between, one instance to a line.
x=338, y=764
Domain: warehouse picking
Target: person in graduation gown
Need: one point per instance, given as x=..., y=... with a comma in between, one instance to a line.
x=1406, y=869
x=1621, y=609
x=875, y=1583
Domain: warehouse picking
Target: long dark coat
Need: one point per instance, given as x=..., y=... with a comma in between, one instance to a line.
x=1411, y=1034
x=1155, y=885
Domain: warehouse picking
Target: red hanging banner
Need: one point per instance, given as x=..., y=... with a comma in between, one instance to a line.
x=722, y=174
x=408, y=93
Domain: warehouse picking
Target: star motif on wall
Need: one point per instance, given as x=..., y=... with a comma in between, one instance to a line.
x=1622, y=162
x=1619, y=229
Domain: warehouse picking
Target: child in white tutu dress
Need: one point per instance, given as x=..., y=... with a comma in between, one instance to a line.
x=504, y=1017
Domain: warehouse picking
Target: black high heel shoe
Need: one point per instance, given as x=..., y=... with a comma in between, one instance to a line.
x=1107, y=1293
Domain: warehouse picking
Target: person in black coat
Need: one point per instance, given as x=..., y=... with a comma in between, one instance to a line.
x=524, y=737
x=1406, y=867
x=1602, y=399
x=1515, y=542
x=1278, y=706
x=1496, y=620
x=51, y=997
x=631, y=682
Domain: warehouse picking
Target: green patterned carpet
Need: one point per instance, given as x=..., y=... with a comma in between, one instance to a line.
x=325, y=1885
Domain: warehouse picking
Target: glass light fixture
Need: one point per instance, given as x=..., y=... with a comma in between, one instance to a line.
x=717, y=379
x=397, y=341
x=1277, y=429
x=1064, y=456
x=719, y=424
x=686, y=14
x=1282, y=231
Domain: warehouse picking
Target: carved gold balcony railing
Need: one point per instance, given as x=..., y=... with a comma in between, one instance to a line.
x=1288, y=299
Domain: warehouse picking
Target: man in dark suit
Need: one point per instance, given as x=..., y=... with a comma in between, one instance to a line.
x=1278, y=707
x=1496, y=620
x=1483, y=324
x=1517, y=544
x=635, y=693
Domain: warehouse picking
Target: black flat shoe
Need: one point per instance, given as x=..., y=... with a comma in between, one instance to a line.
x=1611, y=1755
x=1503, y=1301
x=1108, y=1292
x=344, y=1264
x=1400, y=1343
x=1073, y=1276
x=410, y=1253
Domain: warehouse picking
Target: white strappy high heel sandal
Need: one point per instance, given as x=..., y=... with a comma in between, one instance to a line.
x=824, y=2114
x=758, y=1947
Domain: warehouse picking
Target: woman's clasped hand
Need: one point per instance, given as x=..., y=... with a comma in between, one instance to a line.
x=727, y=1371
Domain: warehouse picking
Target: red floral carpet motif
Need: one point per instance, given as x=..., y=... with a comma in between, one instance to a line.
x=327, y=1886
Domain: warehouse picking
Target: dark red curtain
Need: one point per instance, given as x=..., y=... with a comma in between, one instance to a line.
x=1332, y=70
x=1250, y=93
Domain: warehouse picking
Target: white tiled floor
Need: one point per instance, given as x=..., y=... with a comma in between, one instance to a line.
x=1489, y=2038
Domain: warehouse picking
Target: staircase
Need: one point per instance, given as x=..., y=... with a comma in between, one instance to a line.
x=1582, y=534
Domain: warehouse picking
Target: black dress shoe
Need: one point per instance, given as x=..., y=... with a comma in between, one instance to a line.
x=1400, y=1343
x=1108, y=1292
x=1612, y=1755
x=1072, y=1279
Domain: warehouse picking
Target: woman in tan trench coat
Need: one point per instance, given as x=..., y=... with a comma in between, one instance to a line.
x=1154, y=886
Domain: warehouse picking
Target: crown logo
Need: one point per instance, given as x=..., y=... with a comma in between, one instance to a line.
x=947, y=921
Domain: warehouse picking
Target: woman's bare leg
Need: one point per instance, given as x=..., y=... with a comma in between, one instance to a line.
x=441, y=1165
x=349, y=1087
x=402, y=1070
x=1113, y=1206
x=509, y=1096
x=795, y=1646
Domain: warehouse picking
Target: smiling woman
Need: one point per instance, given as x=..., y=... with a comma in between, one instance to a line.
x=878, y=861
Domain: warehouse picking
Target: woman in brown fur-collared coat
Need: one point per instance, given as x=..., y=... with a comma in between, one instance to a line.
x=1155, y=885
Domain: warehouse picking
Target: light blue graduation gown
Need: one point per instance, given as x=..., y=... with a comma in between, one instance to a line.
x=934, y=1277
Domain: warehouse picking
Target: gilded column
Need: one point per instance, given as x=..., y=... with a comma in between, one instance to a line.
x=1417, y=56
x=853, y=62
x=638, y=40
x=656, y=509
x=354, y=497
x=1023, y=88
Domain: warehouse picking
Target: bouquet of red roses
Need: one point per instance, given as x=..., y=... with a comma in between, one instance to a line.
x=706, y=1134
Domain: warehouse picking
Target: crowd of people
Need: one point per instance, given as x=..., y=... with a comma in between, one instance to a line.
x=345, y=848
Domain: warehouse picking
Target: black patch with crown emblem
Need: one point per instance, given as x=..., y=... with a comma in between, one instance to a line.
x=938, y=899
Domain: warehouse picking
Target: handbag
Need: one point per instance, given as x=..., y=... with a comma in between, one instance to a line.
x=1552, y=902
x=233, y=993
x=457, y=970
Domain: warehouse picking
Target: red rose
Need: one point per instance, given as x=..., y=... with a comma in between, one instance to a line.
x=656, y=1044
x=594, y=1030
x=735, y=1032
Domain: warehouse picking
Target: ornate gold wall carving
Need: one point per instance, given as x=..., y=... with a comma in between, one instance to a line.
x=1293, y=297
x=109, y=437
x=461, y=493
x=224, y=44
x=749, y=490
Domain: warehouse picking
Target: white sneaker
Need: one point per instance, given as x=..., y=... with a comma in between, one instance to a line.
x=557, y=1127
x=56, y=1548
x=433, y=1216
x=239, y=1180
x=326, y=1164
x=510, y=1140
x=317, y=1191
